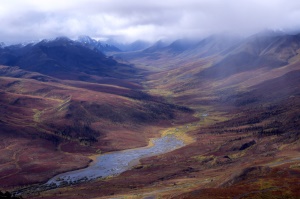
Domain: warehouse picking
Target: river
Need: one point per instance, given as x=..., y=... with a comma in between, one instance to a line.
x=114, y=163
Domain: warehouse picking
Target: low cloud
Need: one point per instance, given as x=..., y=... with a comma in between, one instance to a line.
x=25, y=20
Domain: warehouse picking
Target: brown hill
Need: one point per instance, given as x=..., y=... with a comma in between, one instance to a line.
x=45, y=120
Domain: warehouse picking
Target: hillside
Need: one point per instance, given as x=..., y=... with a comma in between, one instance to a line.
x=51, y=120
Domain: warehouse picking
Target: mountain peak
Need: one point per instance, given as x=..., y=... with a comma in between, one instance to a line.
x=156, y=46
x=181, y=45
x=86, y=39
x=63, y=38
x=94, y=44
x=56, y=41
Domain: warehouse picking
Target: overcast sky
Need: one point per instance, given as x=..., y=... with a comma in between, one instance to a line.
x=24, y=20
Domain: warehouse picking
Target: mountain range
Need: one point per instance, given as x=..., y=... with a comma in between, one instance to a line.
x=234, y=101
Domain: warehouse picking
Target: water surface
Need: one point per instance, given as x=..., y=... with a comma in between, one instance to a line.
x=114, y=163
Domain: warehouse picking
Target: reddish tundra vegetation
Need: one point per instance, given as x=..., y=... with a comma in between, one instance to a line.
x=236, y=105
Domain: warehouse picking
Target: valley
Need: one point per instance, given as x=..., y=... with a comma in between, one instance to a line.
x=234, y=102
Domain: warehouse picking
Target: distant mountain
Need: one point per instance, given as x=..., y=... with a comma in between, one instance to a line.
x=156, y=47
x=205, y=47
x=176, y=47
x=232, y=54
x=180, y=52
x=180, y=46
x=127, y=47
x=214, y=44
x=64, y=58
x=258, y=51
x=92, y=43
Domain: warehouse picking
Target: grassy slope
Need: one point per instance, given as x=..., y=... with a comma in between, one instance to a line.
x=260, y=104
x=54, y=125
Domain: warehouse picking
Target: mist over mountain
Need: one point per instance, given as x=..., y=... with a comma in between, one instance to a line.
x=258, y=51
x=131, y=46
x=150, y=21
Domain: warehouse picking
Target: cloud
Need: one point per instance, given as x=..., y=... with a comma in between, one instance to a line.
x=24, y=20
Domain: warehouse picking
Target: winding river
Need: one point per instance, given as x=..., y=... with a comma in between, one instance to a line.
x=114, y=163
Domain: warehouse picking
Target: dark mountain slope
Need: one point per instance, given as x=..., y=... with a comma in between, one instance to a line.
x=14, y=71
x=66, y=59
